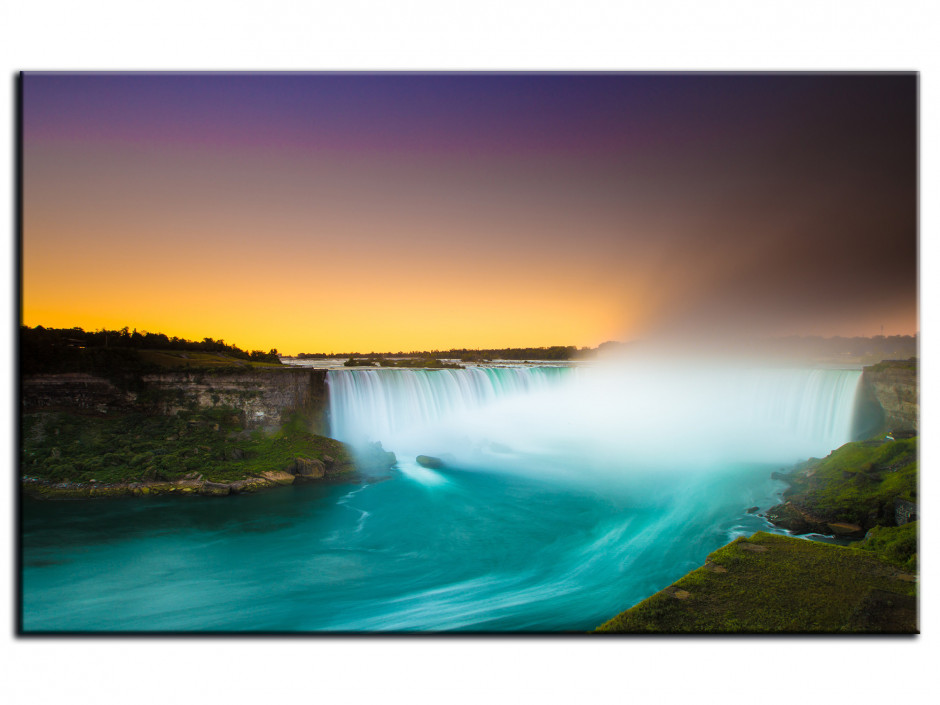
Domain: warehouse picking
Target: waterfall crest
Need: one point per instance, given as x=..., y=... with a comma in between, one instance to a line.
x=375, y=405
x=599, y=416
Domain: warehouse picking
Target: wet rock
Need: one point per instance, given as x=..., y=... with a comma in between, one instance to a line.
x=429, y=461
x=846, y=530
x=190, y=484
x=752, y=510
x=788, y=517
x=214, y=489
x=279, y=477
x=307, y=468
x=249, y=484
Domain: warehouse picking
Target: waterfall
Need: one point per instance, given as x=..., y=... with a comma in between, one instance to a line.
x=375, y=405
x=595, y=417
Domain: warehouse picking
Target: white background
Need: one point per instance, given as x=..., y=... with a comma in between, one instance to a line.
x=480, y=35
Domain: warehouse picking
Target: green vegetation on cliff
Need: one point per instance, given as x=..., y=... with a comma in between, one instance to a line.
x=909, y=364
x=858, y=483
x=177, y=359
x=61, y=447
x=895, y=544
x=768, y=583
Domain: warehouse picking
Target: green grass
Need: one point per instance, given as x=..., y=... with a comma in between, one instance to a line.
x=176, y=359
x=858, y=482
x=909, y=364
x=785, y=585
x=63, y=447
x=895, y=544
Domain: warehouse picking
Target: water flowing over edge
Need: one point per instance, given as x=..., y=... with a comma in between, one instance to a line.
x=623, y=416
x=638, y=474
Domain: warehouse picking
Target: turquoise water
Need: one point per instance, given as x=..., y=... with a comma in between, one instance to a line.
x=571, y=495
x=421, y=550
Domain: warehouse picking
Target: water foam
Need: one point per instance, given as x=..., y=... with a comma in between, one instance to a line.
x=597, y=420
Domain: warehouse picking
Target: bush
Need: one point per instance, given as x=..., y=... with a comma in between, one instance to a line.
x=896, y=544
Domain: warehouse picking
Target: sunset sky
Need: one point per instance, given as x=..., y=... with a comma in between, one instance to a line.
x=319, y=213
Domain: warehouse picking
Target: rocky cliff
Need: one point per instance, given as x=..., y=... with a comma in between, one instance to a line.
x=264, y=398
x=76, y=391
x=893, y=384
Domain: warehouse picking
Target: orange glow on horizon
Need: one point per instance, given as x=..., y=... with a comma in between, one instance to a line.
x=328, y=214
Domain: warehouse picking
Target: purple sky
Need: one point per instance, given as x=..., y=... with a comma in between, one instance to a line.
x=535, y=209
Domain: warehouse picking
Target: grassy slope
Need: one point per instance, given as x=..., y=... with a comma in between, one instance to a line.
x=895, y=544
x=771, y=583
x=858, y=482
x=62, y=447
x=175, y=359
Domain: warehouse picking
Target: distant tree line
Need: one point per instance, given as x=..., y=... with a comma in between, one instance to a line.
x=902, y=346
x=76, y=350
x=813, y=347
x=555, y=352
x=415, y=362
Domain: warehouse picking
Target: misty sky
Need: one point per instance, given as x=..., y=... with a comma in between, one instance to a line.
x=348, y=212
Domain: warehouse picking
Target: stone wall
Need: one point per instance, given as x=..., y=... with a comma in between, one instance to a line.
x=264, y=397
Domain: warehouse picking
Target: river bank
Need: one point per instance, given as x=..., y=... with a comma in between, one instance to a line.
x=208, y=452
x=39, y=488
x=857, y=487
x=767, y=583
x=770, y=583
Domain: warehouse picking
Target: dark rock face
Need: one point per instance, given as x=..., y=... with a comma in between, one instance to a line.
x=429, y=461
x=789, y=517
x=75, y=391
x=263, y=398
x=845, y=530
x=894, y=385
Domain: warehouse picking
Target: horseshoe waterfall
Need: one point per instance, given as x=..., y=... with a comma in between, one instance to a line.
x=551, y=498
